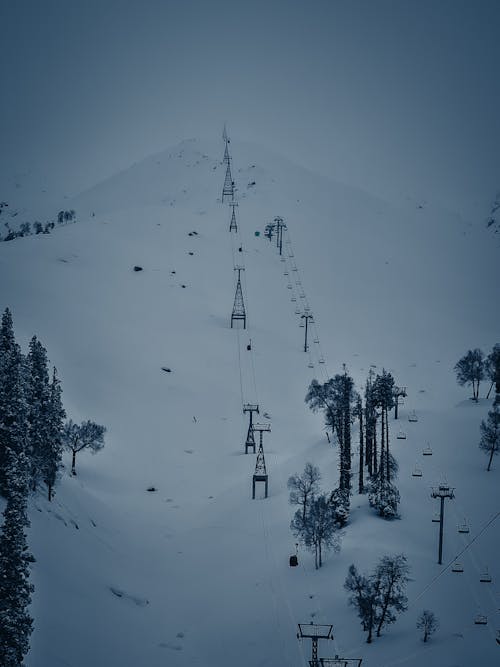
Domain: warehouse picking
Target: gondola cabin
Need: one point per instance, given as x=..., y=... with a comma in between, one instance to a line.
x=294, y=561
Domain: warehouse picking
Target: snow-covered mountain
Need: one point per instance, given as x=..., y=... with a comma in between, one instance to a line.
x=197, y=572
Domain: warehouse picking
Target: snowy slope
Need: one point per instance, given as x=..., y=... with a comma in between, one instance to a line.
x=197, y=572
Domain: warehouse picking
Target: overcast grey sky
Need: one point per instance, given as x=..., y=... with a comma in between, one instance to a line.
x=389, y=94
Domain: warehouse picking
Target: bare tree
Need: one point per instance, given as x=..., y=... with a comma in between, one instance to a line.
x=470, y=370
x=77, y=437
x=319, y=531
x=379, y=597
x=303, y=488
x=427, y=623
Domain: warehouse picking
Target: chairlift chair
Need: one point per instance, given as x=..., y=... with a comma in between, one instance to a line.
x=321, y=361
x=412, y=417
x=302, y=325
x=285, y=273
x=401, y=435
x=436, y=517
x=289, y=286
x=485, y=577
x=457, y=567
x=427, y=451
x=297, y=311
x=310, y=365
x=282, y=259
x=294, y=299
x=463, y=527
x=480, y=619
x=416, y=472
x=316, y=340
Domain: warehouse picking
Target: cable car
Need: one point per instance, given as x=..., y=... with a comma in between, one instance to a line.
x=294, y=561
x=485, y=577
x=457, y=567
x=480, y=619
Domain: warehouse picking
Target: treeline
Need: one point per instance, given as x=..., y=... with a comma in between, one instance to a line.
x=473, y=368
x=33, y=435
x=30, y=229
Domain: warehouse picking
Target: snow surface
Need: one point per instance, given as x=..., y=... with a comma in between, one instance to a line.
x=196, y=572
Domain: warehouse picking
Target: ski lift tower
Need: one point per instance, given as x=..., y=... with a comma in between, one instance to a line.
x=250, y=441
x=442, y=492
x=306, y=316
x=314, y=632
x=239, y=312
x=279, y=225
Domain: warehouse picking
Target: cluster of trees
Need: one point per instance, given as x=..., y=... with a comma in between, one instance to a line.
x=342, y=405
x=28, y=229
x=33, y=435
x=474, y=367
x=317, y=521
x=379, y=596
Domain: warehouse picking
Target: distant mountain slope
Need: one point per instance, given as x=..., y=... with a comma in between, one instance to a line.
x=196, y=572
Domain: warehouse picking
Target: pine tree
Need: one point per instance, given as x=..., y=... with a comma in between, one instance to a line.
x=383, y=389
x=38, y=398
x=13, y=410
x=16, y=624
x=490, y=434
x=54, y=446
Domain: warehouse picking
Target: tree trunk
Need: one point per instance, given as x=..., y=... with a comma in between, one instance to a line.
x=426, y=634
x=316, y=556
x=320, y=554
x=49, y=492
x=374, y=434
x=489, y=390
x=73, y=463
x=382, y=443
x=387, y=443
x=493, y=449
x=361, y=453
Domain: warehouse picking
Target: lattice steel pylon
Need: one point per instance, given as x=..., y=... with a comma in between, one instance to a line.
x=239, y=312
x=233, y=227
x=260, y=474
x=228, y=187
x=227, y=157
x=250, y=441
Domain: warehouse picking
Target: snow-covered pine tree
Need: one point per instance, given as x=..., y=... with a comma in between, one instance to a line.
x=371, y=456
x=13, y=409
x=15, y=590
x=383, y=389
x=38, y=397
x=54, y=446
x=490, y=434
